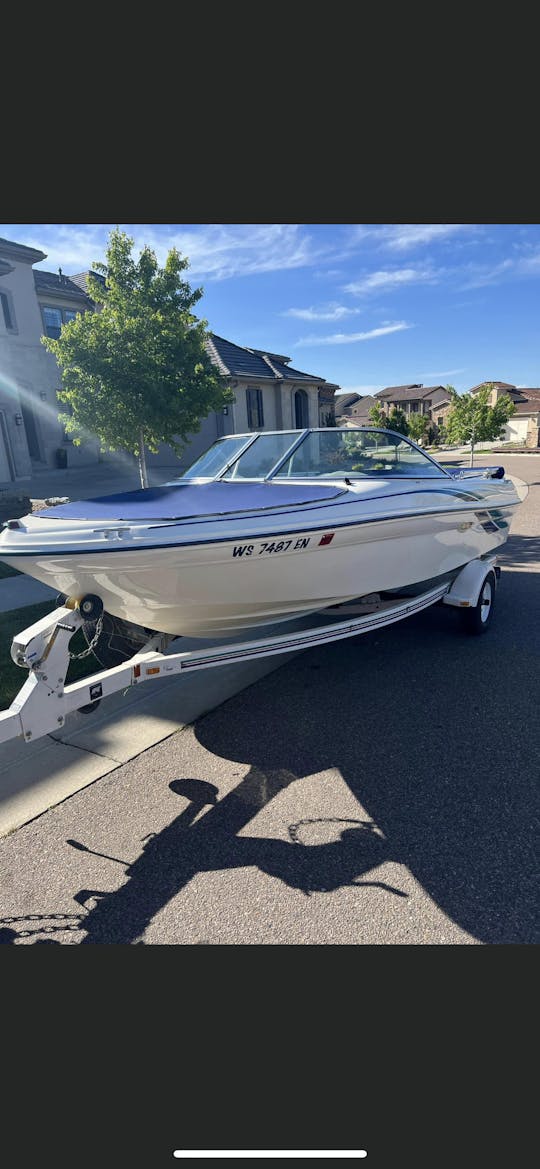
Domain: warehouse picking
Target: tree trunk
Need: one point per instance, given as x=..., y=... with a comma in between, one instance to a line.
x=142, y=460
x=472, y=449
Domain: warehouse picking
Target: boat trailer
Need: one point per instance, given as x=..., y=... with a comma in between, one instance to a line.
x=44, y=701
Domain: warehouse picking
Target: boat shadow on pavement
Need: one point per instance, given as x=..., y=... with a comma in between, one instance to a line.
x=428, y=728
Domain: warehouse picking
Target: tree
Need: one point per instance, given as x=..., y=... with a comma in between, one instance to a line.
x=418, y=425
x=397, y=421
x=136, y=372
x=378, y=416
x=472, y=420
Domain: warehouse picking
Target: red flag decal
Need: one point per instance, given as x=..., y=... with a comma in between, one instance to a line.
x=327, y=539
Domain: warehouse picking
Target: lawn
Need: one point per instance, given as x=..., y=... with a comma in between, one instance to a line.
x=12, y=677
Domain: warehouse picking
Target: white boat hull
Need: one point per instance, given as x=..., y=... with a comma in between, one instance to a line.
x=214, y=587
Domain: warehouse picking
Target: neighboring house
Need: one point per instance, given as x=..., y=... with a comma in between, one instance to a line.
x=343, y=404
x=524, y=425
x=359, y=411
x=32, y=304
x=353, y=409
x=269, y=394
x=432, y=401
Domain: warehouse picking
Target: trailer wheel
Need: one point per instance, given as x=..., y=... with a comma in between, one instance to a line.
x=478, y=618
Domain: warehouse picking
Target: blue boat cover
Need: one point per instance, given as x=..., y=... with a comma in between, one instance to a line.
x=184, y=501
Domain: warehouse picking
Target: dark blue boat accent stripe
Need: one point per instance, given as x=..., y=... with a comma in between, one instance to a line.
x=241, y=537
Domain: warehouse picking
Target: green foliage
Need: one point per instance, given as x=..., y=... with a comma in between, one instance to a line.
x=472, y=420
x=418, y=426
x=397, y=421
x=378, y=416
x=136, y=371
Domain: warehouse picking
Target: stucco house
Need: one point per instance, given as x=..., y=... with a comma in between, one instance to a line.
x=32, y=304
x=269, y=394
x=524, y=425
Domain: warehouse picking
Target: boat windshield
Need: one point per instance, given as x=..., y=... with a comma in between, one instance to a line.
x=214, y=461
x=335, y=453
x=329, y=453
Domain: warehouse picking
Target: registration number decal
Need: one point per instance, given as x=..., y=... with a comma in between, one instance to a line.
x=268, y=547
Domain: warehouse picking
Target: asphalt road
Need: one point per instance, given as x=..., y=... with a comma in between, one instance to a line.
x=376, y=791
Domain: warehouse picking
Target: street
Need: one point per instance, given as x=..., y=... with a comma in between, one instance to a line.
x=376, y=791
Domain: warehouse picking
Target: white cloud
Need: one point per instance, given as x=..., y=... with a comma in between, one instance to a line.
x=481, y=275
x=331, y=313
x=400, y=237
x=215, y=251
x=387, y=279
x=443, y=372
x=349, y=338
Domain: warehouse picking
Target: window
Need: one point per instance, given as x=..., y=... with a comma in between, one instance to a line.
x=54, y=318
x=440, y=420
x=6, y=301
x=301, y=409
x=254, y=408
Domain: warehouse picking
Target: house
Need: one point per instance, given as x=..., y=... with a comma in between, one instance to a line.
x=524, y=425
x=353, y=407
x=359, y=411
x=343, y=404
x=269, y=394
x=432, y=401
x=32, y=304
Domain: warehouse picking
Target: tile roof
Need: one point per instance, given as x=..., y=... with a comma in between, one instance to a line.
x=81, y=278
x=54, y=282
x=498, y=385
x=345, y=400
x=528, y=401
x=239, y=361
x=407, y=393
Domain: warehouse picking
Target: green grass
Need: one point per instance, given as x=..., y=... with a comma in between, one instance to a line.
x=12, y=677
x=5, y=570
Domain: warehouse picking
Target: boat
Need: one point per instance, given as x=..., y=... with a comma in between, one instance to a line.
x=263, y=528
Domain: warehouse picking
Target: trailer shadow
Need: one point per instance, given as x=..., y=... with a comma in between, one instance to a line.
x=427, y=726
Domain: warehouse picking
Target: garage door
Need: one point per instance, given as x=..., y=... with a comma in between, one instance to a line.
x=516, y=430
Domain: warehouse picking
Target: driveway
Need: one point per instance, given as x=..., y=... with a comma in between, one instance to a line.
x=381, y=790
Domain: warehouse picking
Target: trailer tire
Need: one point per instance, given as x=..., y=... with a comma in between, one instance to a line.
x=478, y=618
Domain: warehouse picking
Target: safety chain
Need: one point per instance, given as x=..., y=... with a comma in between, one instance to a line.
x=86, y=652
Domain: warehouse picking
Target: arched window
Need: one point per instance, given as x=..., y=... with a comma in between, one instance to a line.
x=301, y=409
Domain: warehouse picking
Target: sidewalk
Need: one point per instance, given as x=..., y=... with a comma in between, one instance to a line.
x=103, y=478
x=16, y=592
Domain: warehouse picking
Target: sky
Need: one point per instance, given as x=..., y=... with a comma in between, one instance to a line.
x=362, y=305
